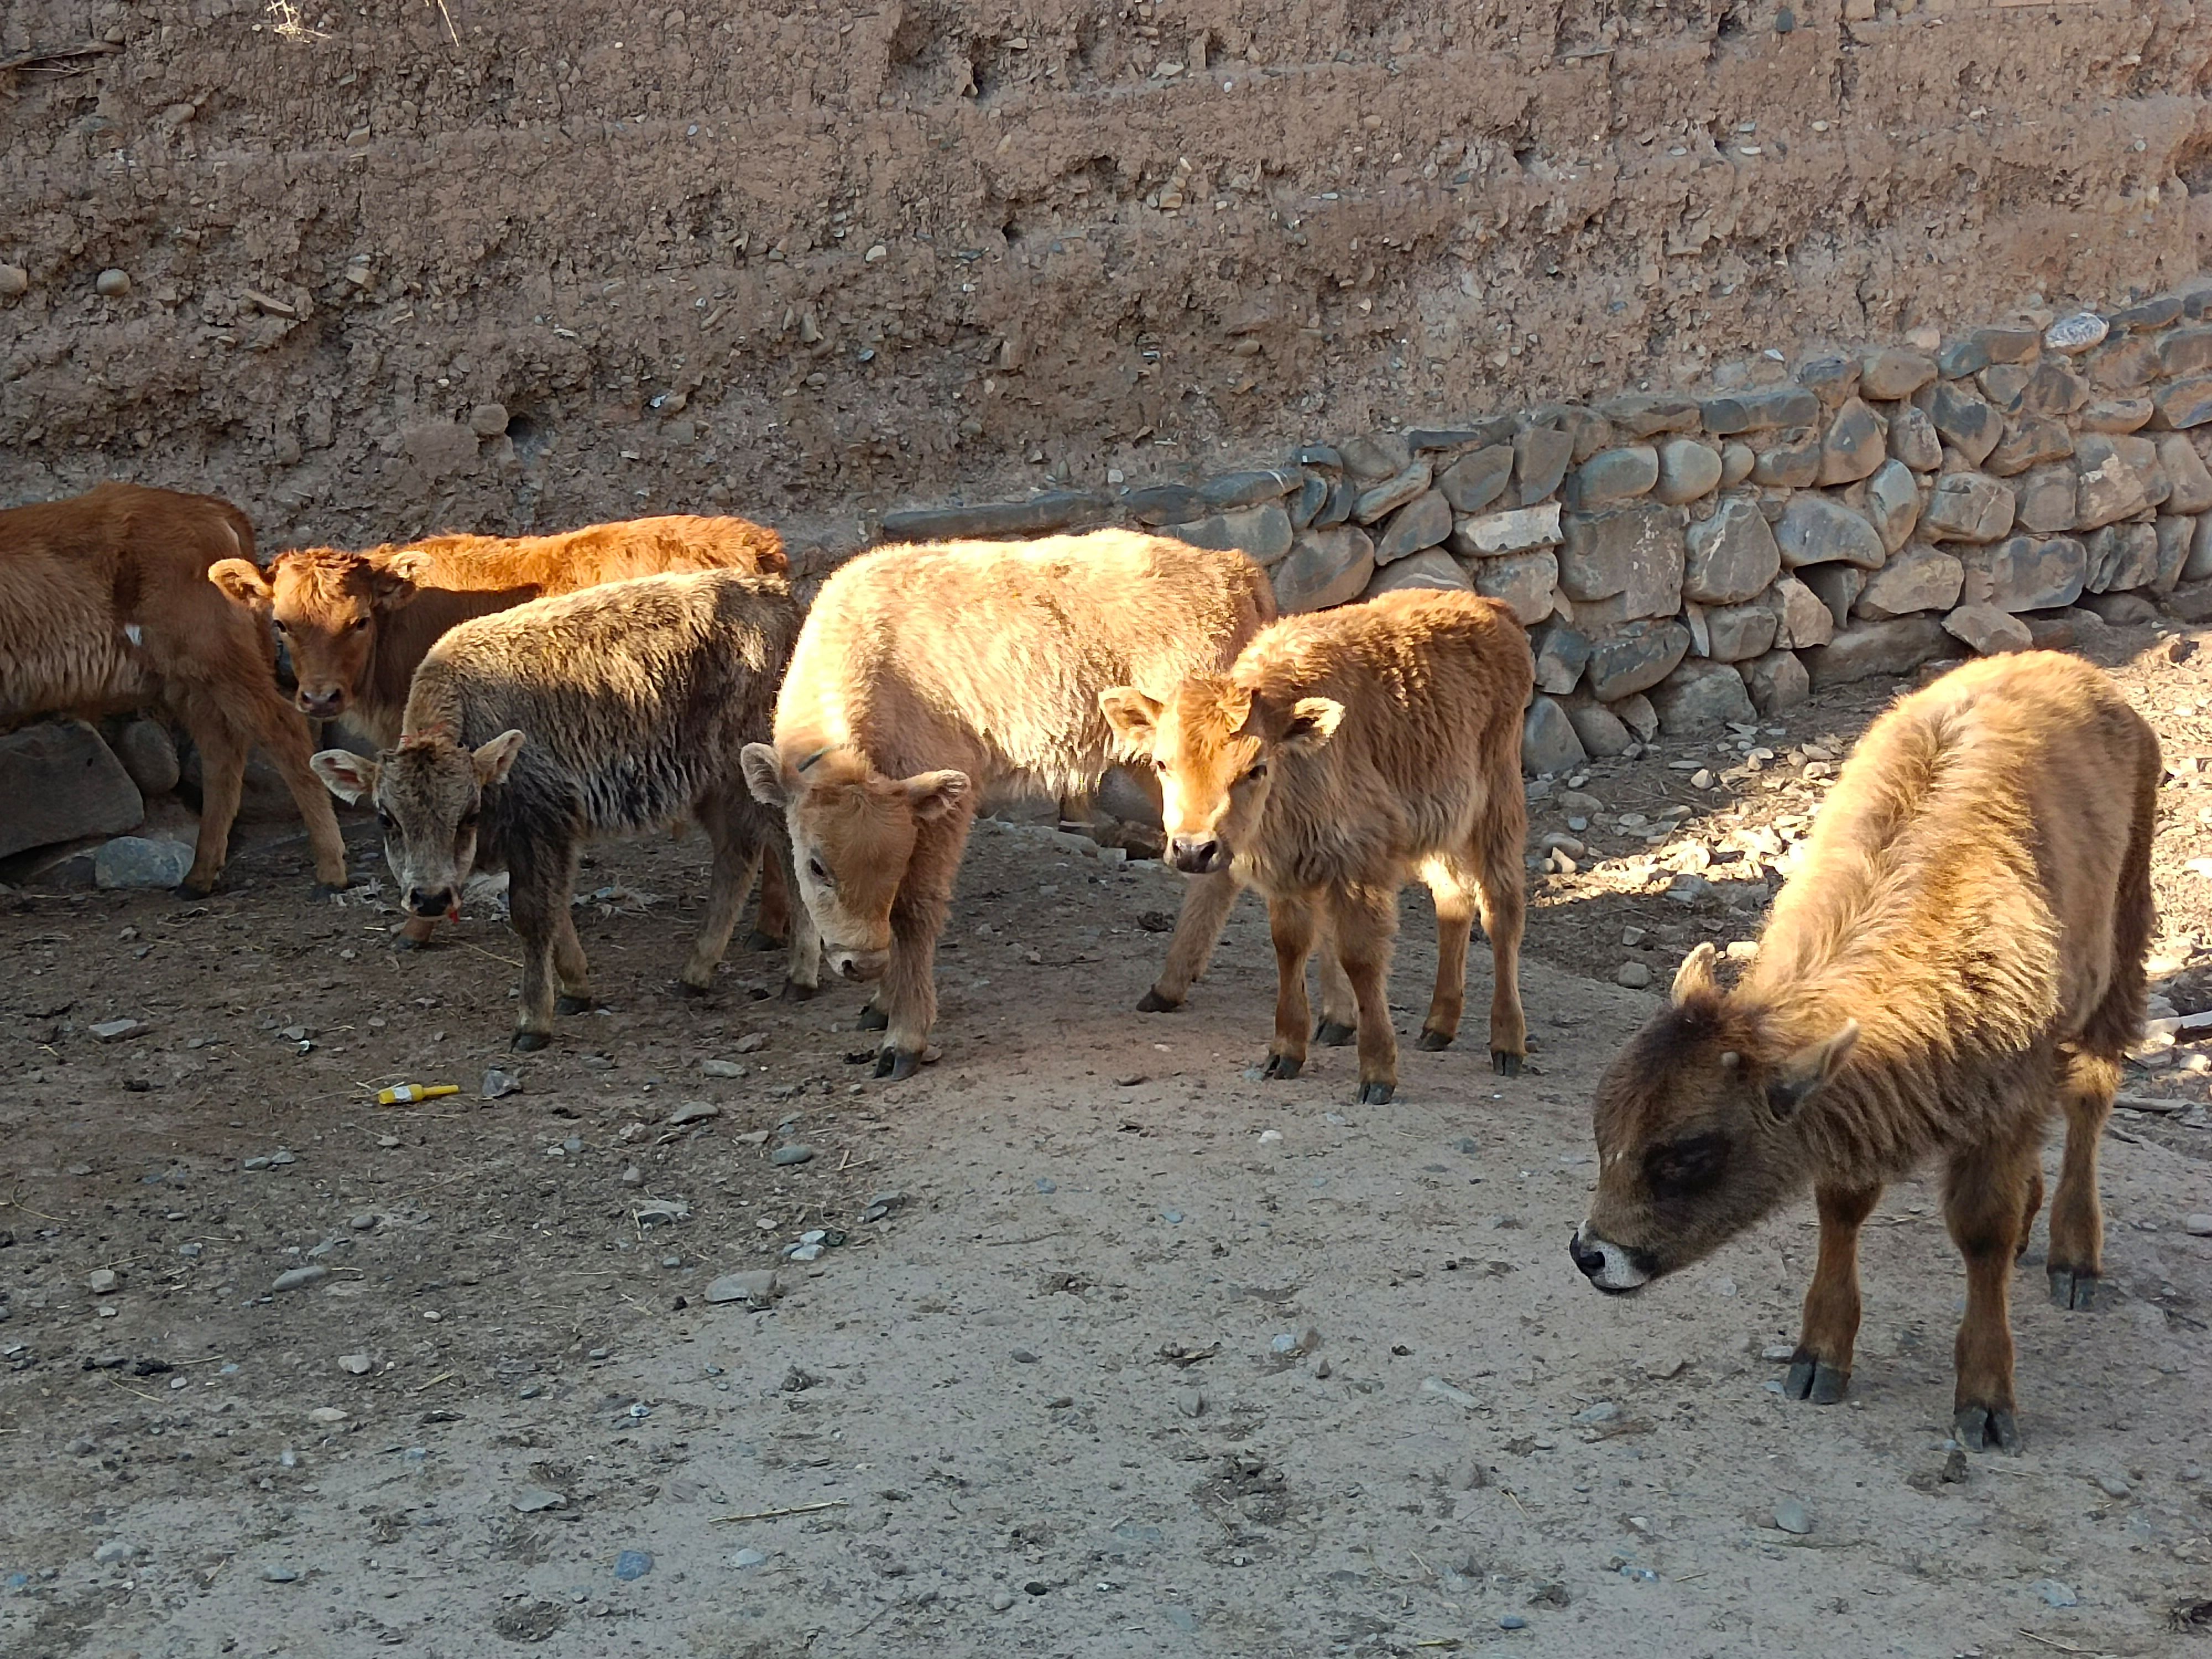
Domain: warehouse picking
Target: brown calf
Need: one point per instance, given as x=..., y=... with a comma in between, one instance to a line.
x=1346, y=751
x=618, y=709
x=1959, y=953
x=927, y=676
x=357, y=624
x=105, y=605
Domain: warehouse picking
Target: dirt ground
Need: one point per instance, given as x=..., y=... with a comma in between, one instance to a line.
x=1110, y=1348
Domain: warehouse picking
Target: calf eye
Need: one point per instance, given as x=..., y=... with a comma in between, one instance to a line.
x=814, y=868
x=277, y=626
x=384, y=821
x=468, y=822
x=359, y=622
x=1687, y=1166
x=1254, y=772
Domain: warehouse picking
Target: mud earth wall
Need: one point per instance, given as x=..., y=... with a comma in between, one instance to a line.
x=421, y=263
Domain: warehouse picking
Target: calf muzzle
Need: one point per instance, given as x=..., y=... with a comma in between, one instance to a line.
x=1613, y=1268
x=443, y=902
x=1197, y=855
x=322, y=703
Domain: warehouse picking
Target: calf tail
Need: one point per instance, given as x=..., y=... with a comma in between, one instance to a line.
x=2116, y=1025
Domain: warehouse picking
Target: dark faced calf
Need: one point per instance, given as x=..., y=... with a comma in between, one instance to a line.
x=1346, y=752
x=618, y=709
x=1960, y=956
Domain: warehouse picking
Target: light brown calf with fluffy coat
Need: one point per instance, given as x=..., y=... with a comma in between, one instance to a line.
x=609, y=712
x=1959, y=956
x=1344, y=753
x=105, y=605
x=357, y=624
x=927, y=676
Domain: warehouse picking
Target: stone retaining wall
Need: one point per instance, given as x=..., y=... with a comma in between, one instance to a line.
x=1686, y=560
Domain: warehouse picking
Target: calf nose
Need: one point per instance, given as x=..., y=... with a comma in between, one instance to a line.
x=849, y=969
x=425, y=903
x=321, y=704
x=1195, y=855
x=1589, y=1260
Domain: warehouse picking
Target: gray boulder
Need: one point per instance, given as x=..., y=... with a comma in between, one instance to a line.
x=60, y=782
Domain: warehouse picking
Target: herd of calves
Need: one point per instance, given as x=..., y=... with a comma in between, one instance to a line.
x=1958, y=956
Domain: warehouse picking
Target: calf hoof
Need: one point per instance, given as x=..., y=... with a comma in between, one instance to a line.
x=686, y=989
x=569, y=1005
x=872, y=1018
x=192, y=889
x=1815, y=1379
x=794, y=992
x=1330, y=1034
x=1153, y=1003
x=756, y=940
x=1281, y=1068
x=529, y=1042
x=1433, y=1039
x=897, y=1065
x=1376, y=1094
x=331, y=889
x=1505, y=1064
x=2074, y=1289
x=1985, y=1428
x=408, y=942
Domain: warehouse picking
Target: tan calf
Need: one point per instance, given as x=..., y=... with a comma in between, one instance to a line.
x=1344, y=753
x=1958, y=956
x=105, y=605
x=358, y=624
x=926, y=677
x=609, y=712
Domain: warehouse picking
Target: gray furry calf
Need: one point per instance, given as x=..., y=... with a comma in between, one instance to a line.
x=617, y=709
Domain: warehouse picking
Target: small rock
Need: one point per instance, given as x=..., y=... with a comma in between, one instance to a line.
x=102, y=1280
x=2198, y=1225
x=693, y=1111
x=2056, y=1592
x=365, y=1222
x=752, y=1043
x=722, y=1067
x=2114, y=1486
x=758, y=1287
x=1001, y=1599
x=535, y=1500
x=498, y=1083
x=15, y=282
x=1511, y=1621
x=793, y=1154
x=1191, y=1403
x=115, y=1030
x=298, y=1278
x=355, y=1365
x=1989, y=629
x=1791, y=1516
x=632, y=1175
x=114, y=1550
x=112, y=284
x=281, y=1575
x=1634, y=976
x=741, y=1559
x=488, y=420
x=632, y=1564
x=2079, y=332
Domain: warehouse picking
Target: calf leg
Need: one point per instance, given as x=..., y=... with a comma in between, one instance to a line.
x=1339, y=1006
x=2086, y=1085
x=732, y=830
x=1363, y=924
x=538, y=905
x=1821, y=1368
x=909, y=996
x=772, y=921
x=222, y=778
x=1983, y=1191
x=570, y=968
x=1496, y=856
x=283, y=731
x=1290, y=922
x=1454, y=926
x=1207, y=902
x=414, y=932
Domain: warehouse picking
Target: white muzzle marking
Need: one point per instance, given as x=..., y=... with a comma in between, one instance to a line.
x=1620, y=1272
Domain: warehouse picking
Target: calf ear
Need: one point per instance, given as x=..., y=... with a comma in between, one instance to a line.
x=932, y=794
x=1134, y=717
x=242, y=584
x=348, y=777
x=1810, y=1069
x=1694, y=978
x=496, y=758
x=392, y=585
x=1312, y=723
x=763, y=770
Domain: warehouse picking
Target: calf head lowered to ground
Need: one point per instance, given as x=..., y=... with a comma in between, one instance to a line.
x=428, y=795
x=853, y=833
x=1697, y=1131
